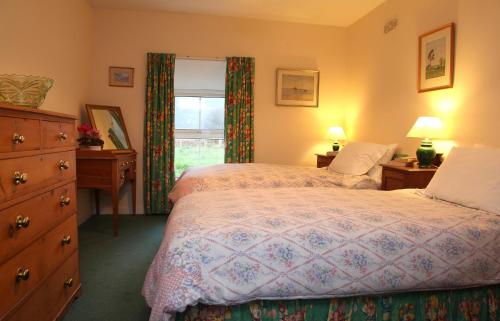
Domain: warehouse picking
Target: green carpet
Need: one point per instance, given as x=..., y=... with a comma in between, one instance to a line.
x=113, y=269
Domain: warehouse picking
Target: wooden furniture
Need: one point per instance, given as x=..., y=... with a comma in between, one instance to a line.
x=323, y=160
x=107, y=170
x=39, y=274
x=400, y=177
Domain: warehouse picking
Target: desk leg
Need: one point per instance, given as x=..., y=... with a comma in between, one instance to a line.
x=114, y=199
x=134, y=201
x=97, y=202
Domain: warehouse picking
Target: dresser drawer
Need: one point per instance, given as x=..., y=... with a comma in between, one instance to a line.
x=19, y=134
x=23, y=223
x=40, y=260
x=26, y=174
x=52, y=296
x=60, y=166
x=58, y=134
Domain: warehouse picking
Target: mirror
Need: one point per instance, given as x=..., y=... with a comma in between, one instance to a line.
x=109, y=121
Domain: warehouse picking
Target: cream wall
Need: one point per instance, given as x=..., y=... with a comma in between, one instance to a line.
x=282, y=134
x=382, y=70
x=50, y=38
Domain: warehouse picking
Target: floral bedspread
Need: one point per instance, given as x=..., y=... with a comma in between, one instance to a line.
x=254, y=175
x=230, y=247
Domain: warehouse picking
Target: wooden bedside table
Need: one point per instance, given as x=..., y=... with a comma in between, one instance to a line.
x=323, y=160
x=399, y=177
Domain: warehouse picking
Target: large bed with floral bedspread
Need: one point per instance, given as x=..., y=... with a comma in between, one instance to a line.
x=324, y=254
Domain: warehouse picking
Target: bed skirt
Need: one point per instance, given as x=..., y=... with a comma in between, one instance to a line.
x=478, y=304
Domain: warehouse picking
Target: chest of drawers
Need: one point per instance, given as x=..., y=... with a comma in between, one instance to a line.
x=39, y=275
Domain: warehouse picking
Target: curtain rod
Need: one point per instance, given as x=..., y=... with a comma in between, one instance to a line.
x=201, y=58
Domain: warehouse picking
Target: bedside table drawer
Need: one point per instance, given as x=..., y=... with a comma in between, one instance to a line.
x=405, y=177
x=394, y=175
x=323, y=160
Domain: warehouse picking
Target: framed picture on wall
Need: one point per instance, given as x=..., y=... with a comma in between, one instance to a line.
x=436, y=59
x=121, y=76
x=297, y=87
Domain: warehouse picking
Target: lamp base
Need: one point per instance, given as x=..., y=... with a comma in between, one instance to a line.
x=426, y=154
x=336, y=147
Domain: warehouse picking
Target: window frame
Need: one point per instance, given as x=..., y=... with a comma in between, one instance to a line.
x=214, y=134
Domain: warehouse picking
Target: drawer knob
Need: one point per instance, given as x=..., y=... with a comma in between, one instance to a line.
x=22, y=274
x=63, y=164
x=66, y=240
x=20, y=178
x=22, y=222
x=17, y=138
x=68, y=283
x=65, y=201
x=63, y=136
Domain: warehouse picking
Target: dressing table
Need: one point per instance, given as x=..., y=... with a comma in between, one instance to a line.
x=112, y=167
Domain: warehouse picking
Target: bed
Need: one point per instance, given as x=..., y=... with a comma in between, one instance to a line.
x=322, y=254
x=254, y=175
x=227, y=248
x=357, y=166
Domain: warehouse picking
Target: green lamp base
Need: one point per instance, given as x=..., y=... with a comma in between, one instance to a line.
x=426, y=154
x=336, y=147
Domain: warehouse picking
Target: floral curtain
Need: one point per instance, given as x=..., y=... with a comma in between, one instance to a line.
x=239, y=104
x=158, y=168
x=480, y=304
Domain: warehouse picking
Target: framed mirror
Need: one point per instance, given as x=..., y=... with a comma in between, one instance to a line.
x=109, y=121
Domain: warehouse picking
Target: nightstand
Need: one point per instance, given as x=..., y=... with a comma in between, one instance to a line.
x=323, y=160
x=400, y=177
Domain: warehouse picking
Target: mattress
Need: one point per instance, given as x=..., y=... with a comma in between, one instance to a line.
x=236, y=246
x=254, y=175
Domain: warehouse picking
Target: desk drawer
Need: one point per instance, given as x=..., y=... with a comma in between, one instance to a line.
x=27, y=174
x=19, y=134
x=40, y=260
x=34, y=217
x=48, y=300
x=58, y=134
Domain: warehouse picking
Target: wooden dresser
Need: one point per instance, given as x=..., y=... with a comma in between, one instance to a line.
x=39, y=274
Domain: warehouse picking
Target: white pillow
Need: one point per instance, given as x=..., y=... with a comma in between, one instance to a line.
x=357, y=158
x=469, y=177
x=376, y=171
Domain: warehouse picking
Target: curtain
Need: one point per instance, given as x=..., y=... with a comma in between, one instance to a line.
x=239, y=104
x=158, y=166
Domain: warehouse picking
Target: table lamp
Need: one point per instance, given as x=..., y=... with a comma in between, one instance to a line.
x=336, y=133
x=426, y=128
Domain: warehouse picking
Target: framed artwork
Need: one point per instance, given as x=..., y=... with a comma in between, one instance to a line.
x=121, y=76
x=436, y=59
x=297, y=87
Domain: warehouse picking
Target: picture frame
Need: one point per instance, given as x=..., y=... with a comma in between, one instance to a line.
x=436, y=59
x=121, y=76
x=297, y=88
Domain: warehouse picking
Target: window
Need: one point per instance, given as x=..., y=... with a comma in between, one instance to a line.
x=199, y=131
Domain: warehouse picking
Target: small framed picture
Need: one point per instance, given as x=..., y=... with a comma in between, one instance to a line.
x=121, y=76
x=436, y=55
x=297, y=88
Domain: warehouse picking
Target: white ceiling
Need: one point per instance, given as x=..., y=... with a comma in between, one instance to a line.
x=322, y=12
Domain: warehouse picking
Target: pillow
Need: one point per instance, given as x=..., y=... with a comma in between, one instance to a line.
x=376, y=171
x=357, y=158
x=469, y=177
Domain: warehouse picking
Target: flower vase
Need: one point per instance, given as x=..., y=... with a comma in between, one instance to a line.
x=87, y=147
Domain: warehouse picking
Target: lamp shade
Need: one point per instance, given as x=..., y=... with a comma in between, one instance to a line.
x=336, y=133
x=426, y=127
